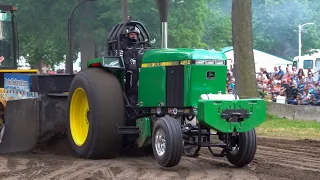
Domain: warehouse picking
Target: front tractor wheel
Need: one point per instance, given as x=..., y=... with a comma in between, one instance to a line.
x=96, y=107
x=167, y=141
x=243, y=150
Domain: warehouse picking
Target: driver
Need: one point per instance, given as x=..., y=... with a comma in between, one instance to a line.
x=132, y=34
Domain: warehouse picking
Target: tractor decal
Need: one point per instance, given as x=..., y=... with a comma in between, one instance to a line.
x=164, y=64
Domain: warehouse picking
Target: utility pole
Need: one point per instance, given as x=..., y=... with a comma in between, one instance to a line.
x=69, y=61
x=300, y=31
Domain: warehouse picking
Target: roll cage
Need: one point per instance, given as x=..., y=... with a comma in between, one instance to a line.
x=118, y=35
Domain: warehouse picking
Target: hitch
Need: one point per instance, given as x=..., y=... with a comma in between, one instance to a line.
x=235, y=115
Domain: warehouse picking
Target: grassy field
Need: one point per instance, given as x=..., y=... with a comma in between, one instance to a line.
x=276, y=127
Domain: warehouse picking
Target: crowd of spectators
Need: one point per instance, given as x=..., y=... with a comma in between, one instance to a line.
x=297, y=87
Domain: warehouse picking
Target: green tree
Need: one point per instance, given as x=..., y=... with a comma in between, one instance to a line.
x=42, y=29
x=218, y=31
x=186, y=23
x=276, y=26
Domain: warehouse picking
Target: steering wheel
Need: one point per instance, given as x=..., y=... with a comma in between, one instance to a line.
x=148, y=46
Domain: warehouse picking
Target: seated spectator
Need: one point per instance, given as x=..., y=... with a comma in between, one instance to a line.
x=274, y=98
x=310, y=78
x=231, y=83
x=230, y=91
x=309, y=87
x=285, y=83
x=310, y=71
x=317, y=95
x=301, y=84
x=264, y=71
x=305, y=97
x=260, y=75
x=297, y=101
x=284, y=86
x=316, y=89
x=312, y=100
x=287, y=76
x=277, y=88
x=291, y=93
x=260, y=85
x=318, y=77
x=301, y=71
x=294, y=71
x=269, y=88
x=293, y=81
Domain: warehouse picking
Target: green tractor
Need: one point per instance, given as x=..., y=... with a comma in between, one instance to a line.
x=172, y=102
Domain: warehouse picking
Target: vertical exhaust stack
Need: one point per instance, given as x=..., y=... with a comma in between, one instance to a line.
x=163, y=6
x=124, y=8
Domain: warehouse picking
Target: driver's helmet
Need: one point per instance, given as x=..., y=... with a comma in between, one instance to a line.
x=132, y=34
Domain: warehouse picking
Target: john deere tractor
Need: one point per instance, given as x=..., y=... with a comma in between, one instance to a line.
x=173, y=101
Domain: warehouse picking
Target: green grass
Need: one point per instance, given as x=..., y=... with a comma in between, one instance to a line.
x=276, y=127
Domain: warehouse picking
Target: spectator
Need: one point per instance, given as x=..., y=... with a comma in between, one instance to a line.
x=301, y=71
x=275, y=73
x=297, y=101
x=316, y=89
x=300, y=80
x=260, y=76
x=231, y=84
x=309, y=71
x=293, y=81
x=294, y=71
x=305, y=97
x=284, y=84
x=277, y=88
x=264, y=71
x=287, y=75
x=312, y=100
x=308, y=87
x=280, y=73
x=310, y=77
x=295, y=86
x=291, y=93
x=318, y=76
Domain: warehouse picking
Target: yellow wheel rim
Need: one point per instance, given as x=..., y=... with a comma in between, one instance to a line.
x=79, y=123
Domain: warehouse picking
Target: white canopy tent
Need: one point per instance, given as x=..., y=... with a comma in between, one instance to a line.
x=262, y=60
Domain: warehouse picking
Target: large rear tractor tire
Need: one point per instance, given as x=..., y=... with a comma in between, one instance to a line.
x=245, y=149
x=96, y=107
x=167, y=142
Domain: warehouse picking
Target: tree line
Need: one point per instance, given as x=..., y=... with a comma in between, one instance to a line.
x=43, y=27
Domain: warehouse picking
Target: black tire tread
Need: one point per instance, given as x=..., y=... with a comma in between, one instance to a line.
x=107, y=107
x=175, y=134
x=247, y=149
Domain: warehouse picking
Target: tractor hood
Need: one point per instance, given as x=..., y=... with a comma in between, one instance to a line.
x=181, y=54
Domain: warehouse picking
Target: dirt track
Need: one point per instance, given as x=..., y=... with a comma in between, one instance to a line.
x=275, y=159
